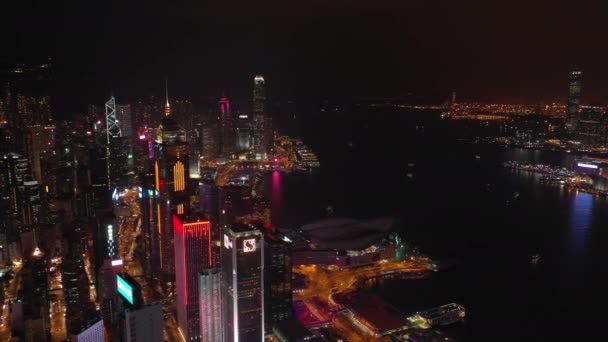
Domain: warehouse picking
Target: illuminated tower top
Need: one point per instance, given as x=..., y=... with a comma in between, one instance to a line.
x=224, y=105
x=167, y=105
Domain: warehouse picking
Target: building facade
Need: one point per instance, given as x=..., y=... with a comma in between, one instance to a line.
x=243, y=283
x=210, y=304
x=192, y=255
x=574, y=100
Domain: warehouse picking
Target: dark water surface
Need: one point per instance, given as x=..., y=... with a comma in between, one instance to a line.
x=463, y=212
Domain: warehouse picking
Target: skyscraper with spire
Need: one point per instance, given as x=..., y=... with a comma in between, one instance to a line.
x=171, y=174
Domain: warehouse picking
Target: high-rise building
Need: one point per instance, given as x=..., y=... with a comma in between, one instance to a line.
x=259, y=116
x=106, y=286
x=118, y=161
x=243, y=283
x=151, y=220
x=208, y=193
x=574, y=99
x=591, y=126
x=40, y=147
x=234, y=202
x=227, y=127
x=277, y=279
x=210, y=140
x=192, y=256
x=94, y=333
x=124, y=118
x=139, y=321
x=18, y=187
x=210, y=300
x=171, y=179
x=244, y=130
x=143, y=323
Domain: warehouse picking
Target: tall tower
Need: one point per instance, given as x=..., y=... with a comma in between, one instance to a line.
x=259, y=116
x=112, y=128
x=192, y=256
x=242, y=283
x=574, y=100
x=171, y=172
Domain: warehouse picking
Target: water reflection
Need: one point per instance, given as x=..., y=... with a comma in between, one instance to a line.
x=580, y=221
x=276, y=197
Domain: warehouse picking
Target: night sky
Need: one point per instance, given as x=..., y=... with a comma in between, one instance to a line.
x=486, y=50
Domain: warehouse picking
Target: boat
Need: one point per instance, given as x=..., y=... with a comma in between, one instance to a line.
x=443, y=315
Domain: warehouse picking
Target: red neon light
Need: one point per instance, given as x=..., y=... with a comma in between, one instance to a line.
x=183, y=232
x=179, y=231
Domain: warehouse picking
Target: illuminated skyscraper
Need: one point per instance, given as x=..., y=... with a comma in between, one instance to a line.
x=243, y=283
x=210, y=300
x=574, y=100
x=171, y=180
x=259, y=116
x=192, y=256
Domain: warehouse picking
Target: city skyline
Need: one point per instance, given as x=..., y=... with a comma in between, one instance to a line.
x=314, y=51
x=286, y=172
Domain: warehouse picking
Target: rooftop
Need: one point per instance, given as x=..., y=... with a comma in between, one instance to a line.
x=348, y=233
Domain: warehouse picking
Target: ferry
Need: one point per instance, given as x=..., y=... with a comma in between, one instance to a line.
x=443, y=315
x=307, y=158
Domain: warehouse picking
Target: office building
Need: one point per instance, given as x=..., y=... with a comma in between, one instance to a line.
x=259, y=116
x=210, y=140
x=138, y=321
x=210, y=308
x=574, y=100
x=192, y=256
x=124, y=118
x=227, y=127
x=242, y=283
x=151, y=220
x=143, y=324
x=106, y=287
x=208, y=193
x=94, y=333
x=40, y=143
x=171, y=179
x=234, y=202
x=277, y=279
x=591, y=126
